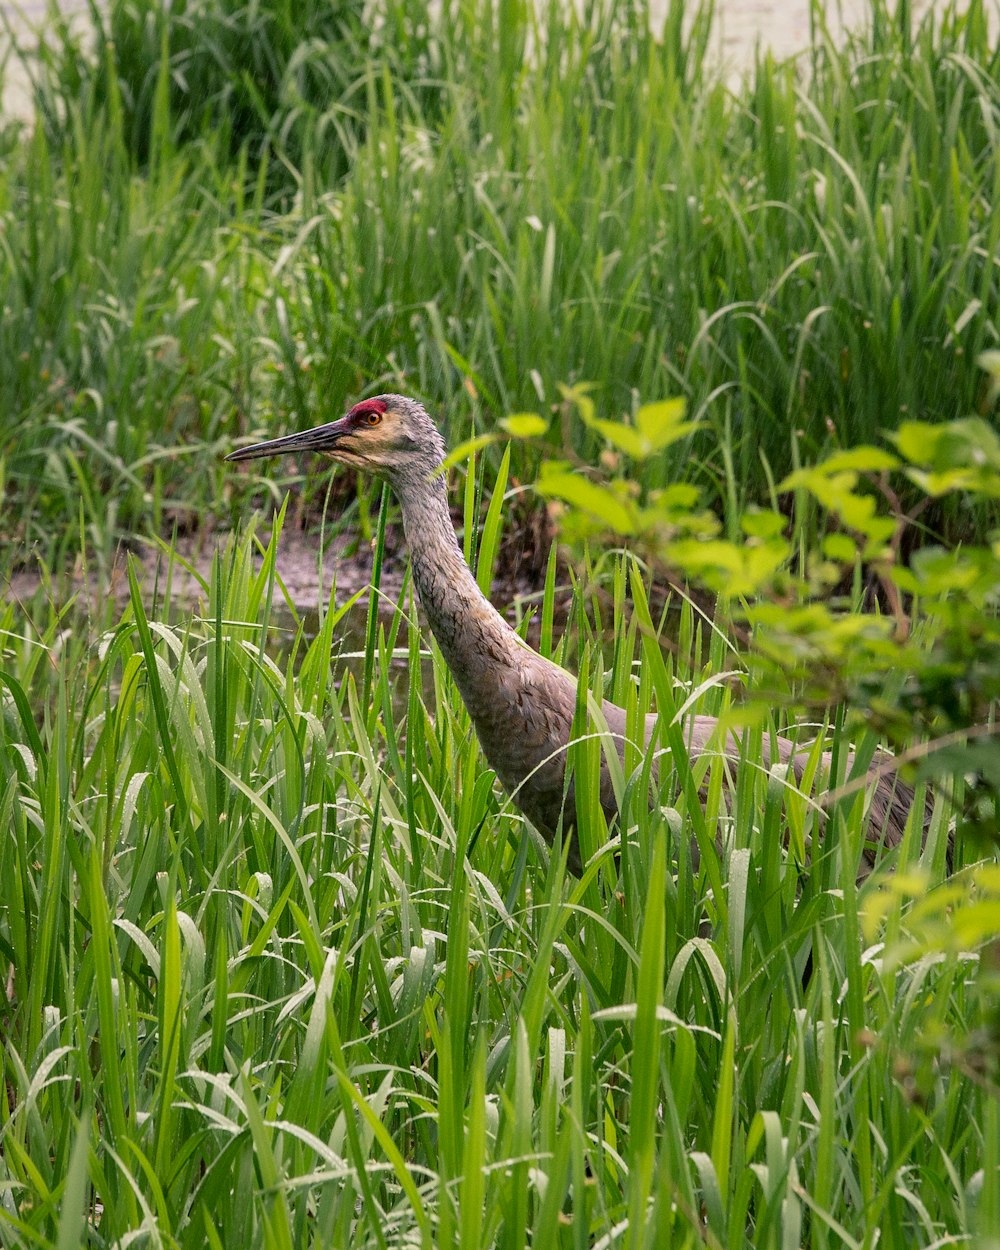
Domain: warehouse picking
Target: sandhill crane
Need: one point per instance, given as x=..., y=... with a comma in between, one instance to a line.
x=521, y=704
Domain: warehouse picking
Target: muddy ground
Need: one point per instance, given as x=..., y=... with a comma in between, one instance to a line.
x=308, y=565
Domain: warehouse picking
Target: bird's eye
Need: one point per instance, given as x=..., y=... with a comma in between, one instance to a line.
x=373, y=418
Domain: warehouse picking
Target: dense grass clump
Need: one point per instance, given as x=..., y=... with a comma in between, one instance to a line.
x=491, y=205
x=282, y=970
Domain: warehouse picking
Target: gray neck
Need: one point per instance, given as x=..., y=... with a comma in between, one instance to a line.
x=471, y=633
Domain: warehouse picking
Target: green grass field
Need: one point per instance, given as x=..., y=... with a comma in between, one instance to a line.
x=284, y=970
x=279, y=965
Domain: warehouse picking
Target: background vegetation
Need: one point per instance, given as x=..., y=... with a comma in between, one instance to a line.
x=279, y=965
x=239, y=232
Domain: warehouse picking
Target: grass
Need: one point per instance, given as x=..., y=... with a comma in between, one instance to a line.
x=281, y=966
x=806, y=258
x=283, y=969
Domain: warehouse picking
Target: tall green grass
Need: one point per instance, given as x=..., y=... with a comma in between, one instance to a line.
x=497, y=203
x=281, y=968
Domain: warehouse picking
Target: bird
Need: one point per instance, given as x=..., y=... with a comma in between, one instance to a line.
x=521, y=703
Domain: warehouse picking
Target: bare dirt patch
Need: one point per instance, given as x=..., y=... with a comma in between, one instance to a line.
x=309, y=568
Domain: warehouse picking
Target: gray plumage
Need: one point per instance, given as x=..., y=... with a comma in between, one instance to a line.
x=521, y=704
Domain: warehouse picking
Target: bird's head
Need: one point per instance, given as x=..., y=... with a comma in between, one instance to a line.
x=390, y=436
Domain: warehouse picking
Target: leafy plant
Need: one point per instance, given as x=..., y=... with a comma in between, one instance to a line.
x=930, y=666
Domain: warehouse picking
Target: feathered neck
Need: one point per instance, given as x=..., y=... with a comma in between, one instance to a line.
x=473, y=636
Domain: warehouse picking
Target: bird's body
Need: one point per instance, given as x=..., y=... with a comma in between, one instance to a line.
x=521, y=704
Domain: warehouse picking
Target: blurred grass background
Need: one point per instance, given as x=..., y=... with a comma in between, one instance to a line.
x=233, y=219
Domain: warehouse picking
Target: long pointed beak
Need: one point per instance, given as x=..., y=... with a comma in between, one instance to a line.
x=321, y=438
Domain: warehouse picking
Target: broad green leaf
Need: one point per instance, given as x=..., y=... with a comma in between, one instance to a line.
x=841, y=548
x=917, y=441
x=973, y=481
x=663, y=423
x=622, y=436
x=602, y=502
x=968, y=442
x=464, y=450
x=656, y=427
x=762, y=523
x=525, y=425
x=729, y=568
x=681, y=496
x=863, y=459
